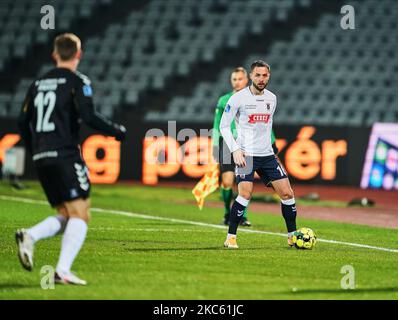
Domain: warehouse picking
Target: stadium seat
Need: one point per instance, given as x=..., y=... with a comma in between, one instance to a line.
x=343, y=75
x=337, y=70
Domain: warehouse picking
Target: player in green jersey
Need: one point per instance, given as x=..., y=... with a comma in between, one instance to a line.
x=239, y=80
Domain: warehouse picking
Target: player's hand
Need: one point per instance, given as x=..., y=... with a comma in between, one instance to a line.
x=239, y=158
x=122, y=133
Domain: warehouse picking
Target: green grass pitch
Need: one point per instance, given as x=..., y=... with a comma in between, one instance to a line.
x=129, y=256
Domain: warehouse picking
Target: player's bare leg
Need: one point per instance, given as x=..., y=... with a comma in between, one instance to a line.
x=78, y=212
x=288, y=205
x=245, y=189
x=48, y=228
x=79, y=208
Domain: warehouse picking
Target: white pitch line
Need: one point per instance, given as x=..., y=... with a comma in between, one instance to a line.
x=196, y=223
x=150, y=229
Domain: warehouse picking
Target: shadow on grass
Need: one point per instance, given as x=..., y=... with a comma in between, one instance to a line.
x=350, y=291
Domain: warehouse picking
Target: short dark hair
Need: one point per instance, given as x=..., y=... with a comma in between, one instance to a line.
x=66, y=45
x=259, y=63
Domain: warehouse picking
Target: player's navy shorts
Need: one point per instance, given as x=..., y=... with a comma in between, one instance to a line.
x=268, y=168
x=226, y=159
x=64, y=181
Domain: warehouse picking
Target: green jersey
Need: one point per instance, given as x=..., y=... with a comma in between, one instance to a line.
x=222, y=103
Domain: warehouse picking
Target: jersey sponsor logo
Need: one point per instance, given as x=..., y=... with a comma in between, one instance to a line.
x=259, y=117
x=87, y=91
x=228, y=108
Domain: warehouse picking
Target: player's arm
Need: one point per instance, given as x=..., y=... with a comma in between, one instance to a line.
x=273, y=138
x=228, y=116
x=83, y=96
x=273, y=142
x=216, y=128
x=24, y=119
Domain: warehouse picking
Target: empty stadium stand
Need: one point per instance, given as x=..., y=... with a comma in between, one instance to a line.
x=21, y=34
x=325, y=75
x=20, y=23
x=321, y=74
x=164, y=38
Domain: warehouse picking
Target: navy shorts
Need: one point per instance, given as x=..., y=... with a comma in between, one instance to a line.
x=63, y=182
x=268, y=168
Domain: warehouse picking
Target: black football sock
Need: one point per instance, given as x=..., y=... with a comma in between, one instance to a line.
x=237, y=211
x=289, y=213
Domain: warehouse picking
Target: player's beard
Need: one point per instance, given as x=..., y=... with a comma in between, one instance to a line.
x=258, y=88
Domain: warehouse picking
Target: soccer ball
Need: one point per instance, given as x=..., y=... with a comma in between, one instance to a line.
x=304, y=238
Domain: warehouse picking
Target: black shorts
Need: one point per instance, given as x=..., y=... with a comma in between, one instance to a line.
x=226, y=159
x=64, y=181
x=268, y=168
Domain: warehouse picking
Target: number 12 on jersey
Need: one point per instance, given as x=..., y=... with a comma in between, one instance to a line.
x=45, y=103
